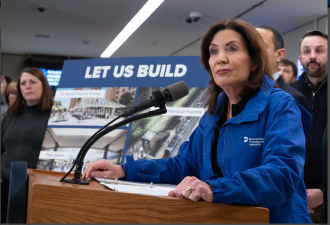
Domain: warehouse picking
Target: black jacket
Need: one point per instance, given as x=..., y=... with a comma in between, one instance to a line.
x=317, y=101
x=293, y=92
x=325, y=176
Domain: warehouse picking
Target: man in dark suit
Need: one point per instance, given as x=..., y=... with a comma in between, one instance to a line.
x=313, y=84
x=276, y=52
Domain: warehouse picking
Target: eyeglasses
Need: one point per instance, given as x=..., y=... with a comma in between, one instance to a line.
x=13, y=92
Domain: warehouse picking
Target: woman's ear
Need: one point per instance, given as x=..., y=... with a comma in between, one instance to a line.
x=254, y=67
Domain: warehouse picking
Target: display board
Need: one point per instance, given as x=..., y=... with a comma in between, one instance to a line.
x=53, y=76
x=92, y=92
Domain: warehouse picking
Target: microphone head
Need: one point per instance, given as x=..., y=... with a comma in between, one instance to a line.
x=178, y=90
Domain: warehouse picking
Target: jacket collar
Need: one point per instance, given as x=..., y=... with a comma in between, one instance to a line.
x=252, y=110
x=280, y=81
x=304, y=78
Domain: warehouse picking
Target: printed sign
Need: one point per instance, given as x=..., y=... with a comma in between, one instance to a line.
x=94, y=92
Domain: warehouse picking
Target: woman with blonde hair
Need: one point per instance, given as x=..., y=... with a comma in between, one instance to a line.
x=10, y=95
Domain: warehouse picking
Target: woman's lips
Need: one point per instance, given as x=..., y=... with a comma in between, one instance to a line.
x=222, y=71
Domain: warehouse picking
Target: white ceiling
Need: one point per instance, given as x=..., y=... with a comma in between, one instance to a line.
x=71, y=22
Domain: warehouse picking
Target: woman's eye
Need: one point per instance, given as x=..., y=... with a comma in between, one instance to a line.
x=213, y=51
x=232, y=49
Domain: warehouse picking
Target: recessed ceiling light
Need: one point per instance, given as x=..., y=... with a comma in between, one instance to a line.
x=42, y=36
x=86, y=42
x=134, y=24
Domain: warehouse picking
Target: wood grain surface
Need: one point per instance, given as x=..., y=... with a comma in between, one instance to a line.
x=51, y=201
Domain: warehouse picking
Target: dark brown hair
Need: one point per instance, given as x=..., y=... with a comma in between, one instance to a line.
x=46, y=98
x=286, y=62
x=8, y=79
x=312, y=33
x=277, y=37
x=257, y=52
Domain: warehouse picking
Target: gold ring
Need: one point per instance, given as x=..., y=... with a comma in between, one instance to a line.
x=189, y=189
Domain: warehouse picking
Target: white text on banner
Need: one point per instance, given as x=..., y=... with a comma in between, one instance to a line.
x=53, y=155
x=183, y=111
x=80, y=94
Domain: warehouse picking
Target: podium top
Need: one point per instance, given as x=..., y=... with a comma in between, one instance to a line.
x=51, y=201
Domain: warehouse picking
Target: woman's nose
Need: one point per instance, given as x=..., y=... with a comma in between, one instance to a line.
x=222, y=58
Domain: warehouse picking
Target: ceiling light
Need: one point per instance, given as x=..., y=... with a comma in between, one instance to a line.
x=134, y=24
x=42, y=36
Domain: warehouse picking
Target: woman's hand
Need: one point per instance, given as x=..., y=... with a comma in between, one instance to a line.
x=314, y=198
x=103, y=168
x=199, y=188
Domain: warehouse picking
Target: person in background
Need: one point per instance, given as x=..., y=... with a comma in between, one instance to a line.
x=287, y=70
x=4, y=82
x=275, y=49
x=249, y=146
x=313, y=85
x=10, y=95
x=23, y=128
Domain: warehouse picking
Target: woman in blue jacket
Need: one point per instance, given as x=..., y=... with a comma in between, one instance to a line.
x=249, y=147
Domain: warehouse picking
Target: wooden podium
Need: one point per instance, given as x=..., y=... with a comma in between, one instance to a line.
x=51, y=201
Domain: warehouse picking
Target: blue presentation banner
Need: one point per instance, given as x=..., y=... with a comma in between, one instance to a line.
x=93, y=92
x=141, y=72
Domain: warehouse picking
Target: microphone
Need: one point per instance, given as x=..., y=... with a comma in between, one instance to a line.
x=159, y=98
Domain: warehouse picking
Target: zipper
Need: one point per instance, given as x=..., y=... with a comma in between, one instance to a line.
x=314, y=93
x=223, y=152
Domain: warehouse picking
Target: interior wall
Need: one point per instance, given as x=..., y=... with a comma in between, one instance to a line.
x=292, y=38
x=12, y=65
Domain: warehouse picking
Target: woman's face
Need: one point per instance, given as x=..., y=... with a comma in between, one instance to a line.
x=31, y=88
x=229, y=60
x=12, y=96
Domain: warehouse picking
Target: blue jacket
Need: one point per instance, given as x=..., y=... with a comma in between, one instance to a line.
x=261, y=153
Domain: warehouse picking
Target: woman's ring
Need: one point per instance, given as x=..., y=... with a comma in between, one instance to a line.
x=189, y=189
